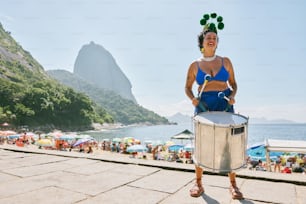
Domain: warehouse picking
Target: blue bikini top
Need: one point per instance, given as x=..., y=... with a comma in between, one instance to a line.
x=222, y=75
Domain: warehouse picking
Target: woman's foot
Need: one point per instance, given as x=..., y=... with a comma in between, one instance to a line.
x=236, y=194
x=234, y=190
x=197, y=190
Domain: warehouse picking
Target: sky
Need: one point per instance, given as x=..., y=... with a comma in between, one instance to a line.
x=154, y=42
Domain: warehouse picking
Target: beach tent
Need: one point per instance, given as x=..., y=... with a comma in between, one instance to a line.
x=258, y=152
x=298, y=146
x=272, y=145
x=186, y=134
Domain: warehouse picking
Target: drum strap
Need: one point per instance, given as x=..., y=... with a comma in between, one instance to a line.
x=203, y=106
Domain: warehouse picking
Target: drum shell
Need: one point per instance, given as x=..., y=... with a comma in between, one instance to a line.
x=221, y=147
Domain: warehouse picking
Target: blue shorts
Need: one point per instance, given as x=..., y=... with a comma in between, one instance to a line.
x=212, y=102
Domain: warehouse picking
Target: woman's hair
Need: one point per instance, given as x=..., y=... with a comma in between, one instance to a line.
x=201, y=37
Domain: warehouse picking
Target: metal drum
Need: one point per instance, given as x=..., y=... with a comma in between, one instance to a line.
x=220, y=141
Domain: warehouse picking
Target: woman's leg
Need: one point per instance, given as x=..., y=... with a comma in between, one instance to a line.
x=236, y=194
x=197, y=190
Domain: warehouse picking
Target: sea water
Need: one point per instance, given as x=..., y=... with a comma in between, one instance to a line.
x=257, y=133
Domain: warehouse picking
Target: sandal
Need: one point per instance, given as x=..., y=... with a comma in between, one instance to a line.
x=236, y=194
x=197, y=190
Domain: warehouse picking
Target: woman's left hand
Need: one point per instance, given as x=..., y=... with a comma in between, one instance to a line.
x=231, y=100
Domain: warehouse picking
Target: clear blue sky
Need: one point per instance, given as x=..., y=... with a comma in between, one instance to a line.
x=154, y=42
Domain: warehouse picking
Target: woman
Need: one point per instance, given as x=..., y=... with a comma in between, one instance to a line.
x=222, y=79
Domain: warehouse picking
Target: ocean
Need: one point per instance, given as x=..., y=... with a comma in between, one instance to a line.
x=257, y=133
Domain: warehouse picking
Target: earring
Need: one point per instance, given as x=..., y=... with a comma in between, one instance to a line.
x=202, y=49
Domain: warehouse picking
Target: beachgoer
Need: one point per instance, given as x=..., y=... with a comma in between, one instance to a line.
x=277, y=165
x=89, y=149
x=222, y=79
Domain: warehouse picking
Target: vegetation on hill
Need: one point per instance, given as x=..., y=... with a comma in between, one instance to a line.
x=28, y=96
x=122, y=110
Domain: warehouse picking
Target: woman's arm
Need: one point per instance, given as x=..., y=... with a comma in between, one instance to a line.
x=189, y=83
x=232, y=81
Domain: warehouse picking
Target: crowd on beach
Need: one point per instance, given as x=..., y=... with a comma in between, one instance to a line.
x=60, y=141
x=286, y=163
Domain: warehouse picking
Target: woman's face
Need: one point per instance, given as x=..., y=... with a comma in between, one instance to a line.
x=210, y=41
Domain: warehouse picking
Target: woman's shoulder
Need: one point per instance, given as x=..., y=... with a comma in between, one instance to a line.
x=194, y=64
x=227, y=62
x=226, y=59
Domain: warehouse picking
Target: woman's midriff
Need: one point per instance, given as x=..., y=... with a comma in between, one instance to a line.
x=214, y=86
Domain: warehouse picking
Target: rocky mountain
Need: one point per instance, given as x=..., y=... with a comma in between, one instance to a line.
x=122, y=110
x=96, y=65
x=180, y=118
x=29, y=96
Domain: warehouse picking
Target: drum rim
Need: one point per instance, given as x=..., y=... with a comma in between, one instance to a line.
x=222, y=112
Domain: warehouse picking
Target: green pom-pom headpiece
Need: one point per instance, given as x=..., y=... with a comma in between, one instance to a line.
x=212, y=22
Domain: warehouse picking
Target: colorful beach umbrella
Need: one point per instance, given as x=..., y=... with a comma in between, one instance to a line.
x=44, y=143
x=175, y=147
x=83, y=137
x=67, y=137
x=10, y=137
x=116, y=140
x=128, y=139
x=82, y=141
x=137, y=148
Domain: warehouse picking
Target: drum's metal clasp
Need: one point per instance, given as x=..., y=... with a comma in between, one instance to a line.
x=237, y=130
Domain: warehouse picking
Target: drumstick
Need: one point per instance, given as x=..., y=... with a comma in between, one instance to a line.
x=207, y=78
x=222, y=95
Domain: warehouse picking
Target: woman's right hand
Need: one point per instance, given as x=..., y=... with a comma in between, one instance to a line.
x=195, y=102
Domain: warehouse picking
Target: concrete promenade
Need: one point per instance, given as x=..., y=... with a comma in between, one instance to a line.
x=37, y=176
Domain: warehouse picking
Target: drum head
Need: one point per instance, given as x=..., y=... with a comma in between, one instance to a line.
x=221, y=118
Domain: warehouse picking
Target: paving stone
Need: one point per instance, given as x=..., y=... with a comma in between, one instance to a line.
x=265, y=191
x=127, y=194
x=301, y=194
x=136, y=170
x=48, y=195
x=38, y=159
x=79, y=161
x=164, y=181
x=96, y=183
x=36, y=170
x=94, y=168
x=6, y=177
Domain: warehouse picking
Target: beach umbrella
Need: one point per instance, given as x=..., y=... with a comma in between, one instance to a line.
x=44, y=143
x=83, y=137
x=116, y=139
x=66, y=137
x=137, y=148
x=175, y=147
x=5, y=124
x=128, y=139
x=55, y=134
x=154, y=142
x=189, y=147
x=13, y=136
x=169, y=143
x=82, y=141
x=7, y=133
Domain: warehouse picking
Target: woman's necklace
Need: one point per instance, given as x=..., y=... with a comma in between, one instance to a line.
x=208, y=59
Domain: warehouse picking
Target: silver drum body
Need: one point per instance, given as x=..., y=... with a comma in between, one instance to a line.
x=220, y=141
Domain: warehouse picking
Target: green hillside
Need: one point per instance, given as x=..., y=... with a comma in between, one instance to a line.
x=28, y=96
x=122, y=110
